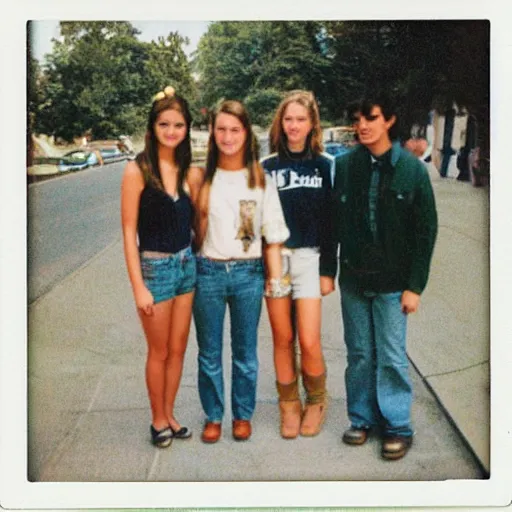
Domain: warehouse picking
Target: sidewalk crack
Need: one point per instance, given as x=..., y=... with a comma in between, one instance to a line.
x=450, y=372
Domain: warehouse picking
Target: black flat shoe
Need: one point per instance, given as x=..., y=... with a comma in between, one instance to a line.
x=182, y=433
x=161, y=438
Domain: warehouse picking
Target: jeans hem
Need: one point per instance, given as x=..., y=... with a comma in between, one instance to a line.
x=397, y=432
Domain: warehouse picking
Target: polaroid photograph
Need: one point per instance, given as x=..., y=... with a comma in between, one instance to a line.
x=254, y=257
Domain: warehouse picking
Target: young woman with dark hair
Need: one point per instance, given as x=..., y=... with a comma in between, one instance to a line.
x=157, y=194
x=303, y=177
x=237, y=208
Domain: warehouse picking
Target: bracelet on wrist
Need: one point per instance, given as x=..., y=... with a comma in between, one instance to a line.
x=278, y=287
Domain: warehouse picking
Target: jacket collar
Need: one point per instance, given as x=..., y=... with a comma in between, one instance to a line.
x=394, y=156
x=396, y=149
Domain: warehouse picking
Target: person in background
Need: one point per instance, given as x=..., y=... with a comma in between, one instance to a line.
x=302, y=174
x=157, y=193
x=238, y=208
x=126, y=145
x=385, y=225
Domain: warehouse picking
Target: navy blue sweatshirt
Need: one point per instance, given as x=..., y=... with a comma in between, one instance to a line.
x=304, y=184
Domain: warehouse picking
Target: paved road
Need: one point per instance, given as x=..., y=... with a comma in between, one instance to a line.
x=70, y=219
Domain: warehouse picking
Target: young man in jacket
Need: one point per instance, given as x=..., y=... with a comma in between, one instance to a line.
x=385, y=224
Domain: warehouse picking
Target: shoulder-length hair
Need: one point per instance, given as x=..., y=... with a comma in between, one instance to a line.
x=251, y=150
x=278, y=141
x=147, y=159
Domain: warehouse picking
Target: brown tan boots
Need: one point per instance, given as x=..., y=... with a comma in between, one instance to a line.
x=293, y=422
x=316, y=404
x=290, y=408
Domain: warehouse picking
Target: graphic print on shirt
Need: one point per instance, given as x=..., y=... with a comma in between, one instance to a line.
x=246, y=230
x=287, y=179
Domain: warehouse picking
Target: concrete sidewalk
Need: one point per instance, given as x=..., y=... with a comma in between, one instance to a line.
x=89, y=414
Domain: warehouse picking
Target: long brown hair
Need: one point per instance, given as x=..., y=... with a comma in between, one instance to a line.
x=277, y=137
x=251, y=161
x=147, y=159
x=251, y=150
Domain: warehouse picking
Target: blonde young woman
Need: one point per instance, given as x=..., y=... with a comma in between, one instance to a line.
x=238, y=208
x=302, y=174
x=157, y=195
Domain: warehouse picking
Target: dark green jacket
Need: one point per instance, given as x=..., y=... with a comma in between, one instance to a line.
x=406, y=224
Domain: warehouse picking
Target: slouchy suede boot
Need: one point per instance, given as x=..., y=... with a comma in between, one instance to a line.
x=316, y=404
x=290, y=409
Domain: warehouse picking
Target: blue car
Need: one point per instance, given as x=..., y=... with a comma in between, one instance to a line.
x=112, y=154
x=336, y=148
x=77, y=160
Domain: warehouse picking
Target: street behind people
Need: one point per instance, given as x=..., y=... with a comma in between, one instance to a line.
x=385, y=224
x=302, y=174
x=157, y=193
x=238, y=207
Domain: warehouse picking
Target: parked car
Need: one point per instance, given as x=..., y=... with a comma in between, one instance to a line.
x=113, y=150
x=96, y=153
x=77, y=160
x=112, y=154
x=336, y=148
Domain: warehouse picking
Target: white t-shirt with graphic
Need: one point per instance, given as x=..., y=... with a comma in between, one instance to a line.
x=239, y=217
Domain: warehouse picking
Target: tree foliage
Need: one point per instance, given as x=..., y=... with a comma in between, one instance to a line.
x=100, y=78
x=261, y=105
x=423, y=63
x=253, y=60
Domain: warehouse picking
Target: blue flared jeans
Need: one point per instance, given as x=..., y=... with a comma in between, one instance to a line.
x=379, y=390
x=238, y=285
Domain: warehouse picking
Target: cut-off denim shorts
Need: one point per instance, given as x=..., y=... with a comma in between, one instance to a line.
x=169, y=276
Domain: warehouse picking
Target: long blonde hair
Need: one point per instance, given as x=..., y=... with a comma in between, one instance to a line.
x=278, y=141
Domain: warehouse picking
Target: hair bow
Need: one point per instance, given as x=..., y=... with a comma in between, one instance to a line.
x=167, y=92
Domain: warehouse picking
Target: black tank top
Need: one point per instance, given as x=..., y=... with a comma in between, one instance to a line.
x=164, y=223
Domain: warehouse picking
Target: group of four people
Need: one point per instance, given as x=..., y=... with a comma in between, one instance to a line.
x=197, y=241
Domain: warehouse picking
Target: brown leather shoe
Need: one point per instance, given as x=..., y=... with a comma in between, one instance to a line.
x=242, y=430
x=395, y=447
x=211, y=432
x=355, y=436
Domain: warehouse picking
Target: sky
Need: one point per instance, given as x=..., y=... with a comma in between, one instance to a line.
x=46, y=30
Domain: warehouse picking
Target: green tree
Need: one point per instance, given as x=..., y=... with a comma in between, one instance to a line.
x=224, y=58
x=262, y=104
x=242, y=60
x=101, y=78
x=423, y=63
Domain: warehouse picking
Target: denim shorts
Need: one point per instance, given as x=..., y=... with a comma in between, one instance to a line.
x=303, y=266
x=169, y=276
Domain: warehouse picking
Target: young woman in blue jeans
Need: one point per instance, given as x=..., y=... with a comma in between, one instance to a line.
x=157, y=193
x=238, y=208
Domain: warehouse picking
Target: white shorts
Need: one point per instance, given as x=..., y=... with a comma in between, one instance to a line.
x=303, y=266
